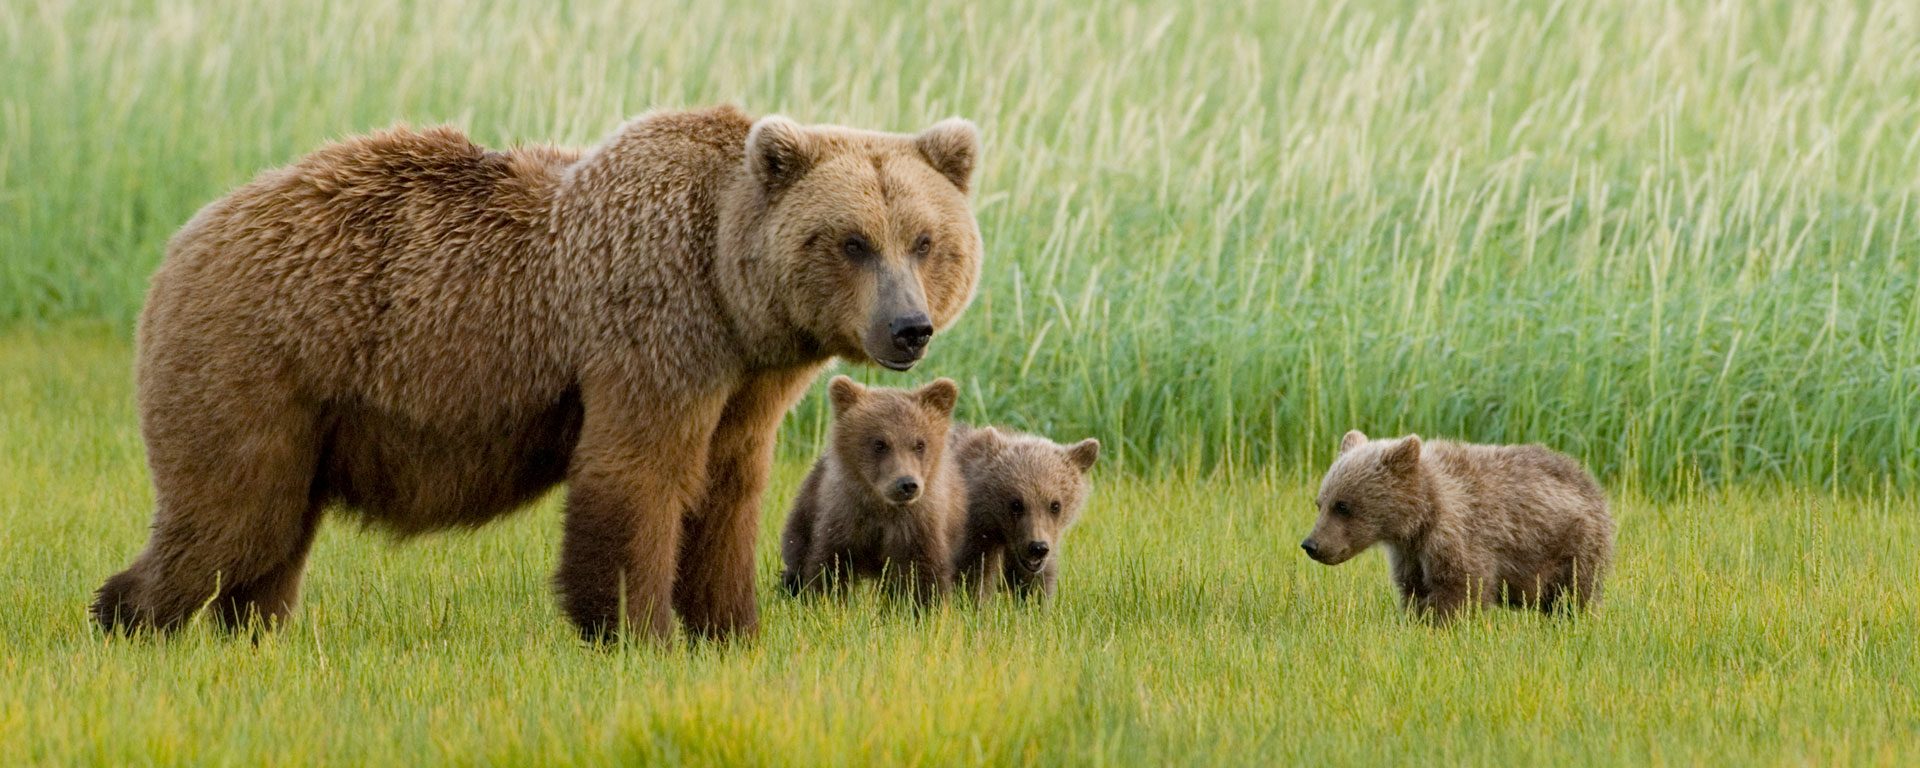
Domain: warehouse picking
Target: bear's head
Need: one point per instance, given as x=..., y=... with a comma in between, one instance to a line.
x=863, y=243
x=1023, y=492
x=891, y=440
x=1375, y=491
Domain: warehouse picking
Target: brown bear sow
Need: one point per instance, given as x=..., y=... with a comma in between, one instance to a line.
x=431, y=334
x=883, y=500
x=1023, y=492
x=1516, y=525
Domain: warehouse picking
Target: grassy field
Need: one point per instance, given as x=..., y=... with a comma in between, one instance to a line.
x=1679, y=240
x=1744, y=626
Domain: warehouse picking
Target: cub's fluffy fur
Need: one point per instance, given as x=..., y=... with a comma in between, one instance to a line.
x=884, y=499
x=1514, y=525
x=1023, y=493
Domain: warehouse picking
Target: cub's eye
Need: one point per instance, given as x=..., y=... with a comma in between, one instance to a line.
x=1054, y=509
x=879, y=446
x=922, y=245
x=919, y=446
x=1018, y=508
x=856, y=247
x=1340, y=509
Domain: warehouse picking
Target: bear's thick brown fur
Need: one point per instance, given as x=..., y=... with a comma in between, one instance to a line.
x=1514, y=525
x=432, y=334
x=884, y=500
x=1023, y=493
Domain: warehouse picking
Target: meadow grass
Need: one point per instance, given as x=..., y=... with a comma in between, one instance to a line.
x=1742, y=626
x=1678, y=240
x=1674, y=238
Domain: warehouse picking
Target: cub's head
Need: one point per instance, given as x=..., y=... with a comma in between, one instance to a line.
x=1025, y=491
x=891, y=440
x=863, y=243
x=1374, y=491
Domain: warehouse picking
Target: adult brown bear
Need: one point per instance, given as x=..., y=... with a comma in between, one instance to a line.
x=432, y=334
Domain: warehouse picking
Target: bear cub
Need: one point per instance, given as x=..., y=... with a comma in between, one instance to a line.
x=882, y=501
x=1023, y=493
x=1520, y=526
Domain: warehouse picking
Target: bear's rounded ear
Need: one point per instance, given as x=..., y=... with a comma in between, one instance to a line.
x=940, y=394
x=983, y=438
x=779, y=152
x=1353, y=439
x=1404, y=456
x=844, y=393
x=1084, y=453
x=950, y=146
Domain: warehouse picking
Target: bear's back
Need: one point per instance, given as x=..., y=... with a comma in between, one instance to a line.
x=381, y=268
x=1524, y=484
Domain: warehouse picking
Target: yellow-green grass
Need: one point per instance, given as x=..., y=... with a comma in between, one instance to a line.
x=1741, y=626
x=1675, y=237
x=1679, y=239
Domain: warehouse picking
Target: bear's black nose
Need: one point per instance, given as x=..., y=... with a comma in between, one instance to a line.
x=911, y=333
x=906, y=488
x=1037, y=549
x=1313, y=550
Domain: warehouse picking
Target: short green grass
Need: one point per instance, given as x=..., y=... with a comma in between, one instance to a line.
x=1745, y=626
x=1679, y=239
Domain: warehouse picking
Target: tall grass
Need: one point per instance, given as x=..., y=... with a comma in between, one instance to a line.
x=1677, y=239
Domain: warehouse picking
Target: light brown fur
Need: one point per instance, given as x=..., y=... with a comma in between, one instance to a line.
x=1513, y=525
x=1023, y=493
x=884, y=498
x=432, y=334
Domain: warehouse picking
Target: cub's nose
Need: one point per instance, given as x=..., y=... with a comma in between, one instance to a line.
x=1037, y=550
x=1313, y=550
x=911, y=333
x=906, y=489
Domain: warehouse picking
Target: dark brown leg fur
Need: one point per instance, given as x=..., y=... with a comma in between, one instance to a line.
x=235, y=518
x=632, y=484
x=714, y=591
x=271, y=597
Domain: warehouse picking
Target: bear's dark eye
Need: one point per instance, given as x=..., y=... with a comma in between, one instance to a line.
x=1340, y=509
x=922, y=245
x=1054, y=509
x=879, y=446
x=1018, y=508
x=919, y=446
x=856, y=247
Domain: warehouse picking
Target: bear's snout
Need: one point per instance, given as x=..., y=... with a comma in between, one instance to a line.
x=1313, y=550
x=912, y=332
x=1035, y=556
x=905, y=490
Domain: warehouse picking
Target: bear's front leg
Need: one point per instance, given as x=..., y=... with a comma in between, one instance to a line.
x=977, y=568
x=639, y=466
x=714, y=591
x=1408, y=578
x=924, y=570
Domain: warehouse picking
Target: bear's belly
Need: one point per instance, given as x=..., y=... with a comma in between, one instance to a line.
x=415, y=478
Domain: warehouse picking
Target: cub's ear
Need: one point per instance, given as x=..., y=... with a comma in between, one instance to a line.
x=1404, y=456
x=1083, y=453
x=1353, y=439
x=845, y=393
x=940, y=394
x=982, y=439
x=779, y=152
x=950, y=146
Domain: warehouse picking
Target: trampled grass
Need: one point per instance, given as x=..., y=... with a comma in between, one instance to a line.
x=1743, y=626
x=1677, y=239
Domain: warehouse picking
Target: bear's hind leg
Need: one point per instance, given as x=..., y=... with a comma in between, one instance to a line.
x=270, y=597
x=234, y=517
